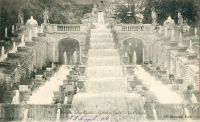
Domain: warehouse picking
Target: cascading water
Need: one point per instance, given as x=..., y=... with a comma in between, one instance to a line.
x=25, y=116
x=100, y=18
x=2, y=51
x=65, y=58
x=22, y=40
x=14, y=46
x=106, y=88
x=172, y=35
x=58, y=115
x=166, y=32
x=134, y=58
x=155, y=114
x=75, y=56
x=16, y=98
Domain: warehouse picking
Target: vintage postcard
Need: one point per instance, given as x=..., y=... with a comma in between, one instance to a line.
x=99, y=61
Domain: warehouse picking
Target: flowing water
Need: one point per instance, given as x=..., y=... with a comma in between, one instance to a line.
x=65, y=58
x=167, y=96
x=16, y=98
x=2, y=51
x=58, y=115
x=25, y=116
x=106, y=87
x=134, y=57
x=49, y=87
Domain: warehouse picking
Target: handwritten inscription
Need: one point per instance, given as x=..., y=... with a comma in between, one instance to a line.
x=89, y=117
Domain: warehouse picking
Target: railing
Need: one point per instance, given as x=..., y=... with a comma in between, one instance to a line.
x=67, y=27
x=134, y=27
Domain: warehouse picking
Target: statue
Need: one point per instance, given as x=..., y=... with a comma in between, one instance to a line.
x=169, y=23
x=46, y=16
x=20, y=18
x=154, y=16
x=180, y=19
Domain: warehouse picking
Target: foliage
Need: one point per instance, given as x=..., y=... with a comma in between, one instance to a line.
x=60, y=11
x=165, y=8
x=122, y=11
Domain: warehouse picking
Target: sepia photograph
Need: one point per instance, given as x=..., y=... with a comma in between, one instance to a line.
x=99, y=61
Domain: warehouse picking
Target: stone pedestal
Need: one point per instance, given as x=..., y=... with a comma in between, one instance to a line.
x=82, y=69
x=125, y=59
x=84, y=60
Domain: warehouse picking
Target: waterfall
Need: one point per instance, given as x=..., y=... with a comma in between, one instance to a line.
x=106, y=89
x=143, y=55
x=58, y=115
x=75, y=56
x=181, y=37
x=36, y=32
x=30, y=35
x=172, y=35
x=15, y=99
x=13, y=29
x=2, y=51
x=6, y=32
x=65, y=58
x=22, y=40
x=25, y=117
x=155, y=114
x=166, y=32
x=53, y=54
x=187, y=113
x=190, y=45
x=195, y=32
x=194, y=98
x=14, y=45
x=100, y=18
x=134, y=58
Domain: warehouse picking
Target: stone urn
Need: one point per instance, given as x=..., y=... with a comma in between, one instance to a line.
x=80, y=85
x=125, y=59
x=82, y=69
x=130, y=69
x=132, y=84
x=84, y=60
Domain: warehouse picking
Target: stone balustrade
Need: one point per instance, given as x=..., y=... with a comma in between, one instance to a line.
x=134, y=27
x=48, y=112
x=35, y=112
x=67, y=27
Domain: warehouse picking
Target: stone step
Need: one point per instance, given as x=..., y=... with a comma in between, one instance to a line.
x=104, y=62
x=103, y=54
x=101, y=35
x=102, y=31
x=102, y=42
x=114, y=85
x=102, y=46
x=97, y=39
x=104, y=71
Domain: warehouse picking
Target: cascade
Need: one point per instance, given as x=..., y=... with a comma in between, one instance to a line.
x=25, y=116
x=13, y=29
x=58, y=115
x=172, y=35
x=2, y=51
x=155, y=114
x=134, y=58
x=166, y=32
x=106, y=87
x=14, y=45
x=75, y=56
x=16, y=98
x=22, y=40
x=65, y=58
x=6, y=32
x=195, y=32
